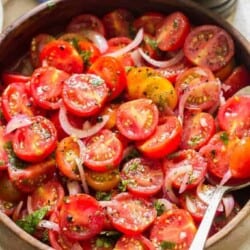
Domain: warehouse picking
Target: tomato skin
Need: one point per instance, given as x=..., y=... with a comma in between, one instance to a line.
x=197, y=130
x=170, y=225
x=172, y=32
x=49, y=194
x=137, y=119
x=112, y=72
x=46, y=87
x=164, y=140
x=103, y=151
x=4, y=140
x=145, y=177
x=233, y=116
x=62, y=55
x=102, y=181
x=118, y=22
x=29, y=178
x=83, y=212
x=239, y=78
x=141, y=216
x=85, y=22
x=138, y=242
x=35, y=142
x=209, y=46
x=10, y=77
x=16, y=100
x=84, y=94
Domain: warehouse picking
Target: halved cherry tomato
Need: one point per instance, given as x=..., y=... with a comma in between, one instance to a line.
x=197, y=130
x=137, y=119
x=84, y=94
x=172, y=32
x=233, y=116
x=239, y=78
x=192, y=76
x=140, y=216
x=49, y=194
x=138, y=242
x=10, y=77
x=149, y=22
x=112, y=72
x=81, y=217
x=61, y=55
x=149, y=47
x=216, y=152
x=36, y=141
x=46, y=87
x=16, y=100
x=103, y=151
x=194, y=162
x=144, y=177
x=209, y=46
x=37, y=44
x=32, y=176
x=225, y=72
x=135, y=76
x=118, y=23
x=86, y=22
x=164, y=140
x=174, y=229
x=110, y=110
x=102, y=181
x=66, y=154
x=4, y=141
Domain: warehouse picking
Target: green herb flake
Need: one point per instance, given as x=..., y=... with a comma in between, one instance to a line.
x=194, y=140
x=86, y=57
x=103, y=196
x=123, y=185
x=96, y=81
x=167, y=245
x=224, y=137
x=30, y=222
x=151, y=42
x=160, y=208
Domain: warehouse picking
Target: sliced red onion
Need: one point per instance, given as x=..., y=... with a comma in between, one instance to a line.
x=229, y=203
x=226, y=177
x=17, y=211
x=76, y=246
x=184, y=182
x=137, y=59
x=135, y=43
x=166, y=203
x=29, y=205
x=98, y=39
x=80, y=133
x=162, y=64
x=73, y=187
x=18, y=121
x=190, y=205
x=168, y=184
x=49, y=225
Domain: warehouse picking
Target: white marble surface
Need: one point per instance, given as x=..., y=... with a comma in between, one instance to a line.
x=239, y=238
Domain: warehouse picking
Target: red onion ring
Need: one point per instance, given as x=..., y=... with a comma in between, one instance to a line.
x=135, y=43
x=190, y=205
x=29, y=205
x=162, y=64
x=229, y=203
x=226, y=177
x=17, y=211
x=18, y=121
x=73, y=187
x=79, y=133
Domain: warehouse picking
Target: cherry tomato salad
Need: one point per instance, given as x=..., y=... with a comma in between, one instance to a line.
x=113, y=131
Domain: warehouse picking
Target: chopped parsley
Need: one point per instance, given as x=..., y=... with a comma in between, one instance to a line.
x=160, y=208
x=224, y=137
x=167, y=245
x=103, y=196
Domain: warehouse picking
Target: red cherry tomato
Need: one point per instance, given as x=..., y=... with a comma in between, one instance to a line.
x=103, y=151
x=81, y=216
x=197, y=130
x=112, y=72
x=4, y=141
x=85, y=22
x=172, y=32
x=209, y=46
x=164, y=140
x=35, y=142
x=144, y=177
x=118, y=22
x=233, y=116
x=49, y=194
x=46, y=87
x=61, y=55
x=174, y=229
x=140, y=216
x=84, y=94
x=137, y=119
x=139, y=242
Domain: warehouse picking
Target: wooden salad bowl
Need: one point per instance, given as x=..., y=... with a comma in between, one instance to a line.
x=51, y=17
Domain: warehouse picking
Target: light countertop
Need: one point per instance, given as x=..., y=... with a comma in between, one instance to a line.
x=239, y=238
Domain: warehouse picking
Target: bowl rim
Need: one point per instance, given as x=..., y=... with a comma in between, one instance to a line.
x=245, y=210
